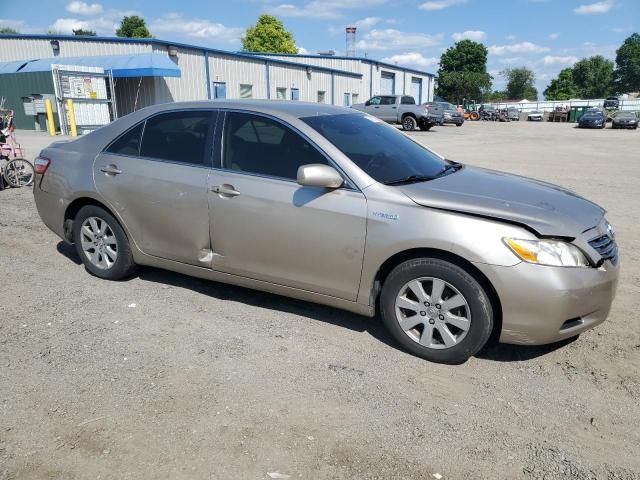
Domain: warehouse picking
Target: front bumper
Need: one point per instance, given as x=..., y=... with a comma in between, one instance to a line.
x=455, y=120
x=547, y=304
x=590, y=125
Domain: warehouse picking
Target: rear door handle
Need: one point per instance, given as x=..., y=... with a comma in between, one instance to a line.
x=111, y=170
x=225, y=190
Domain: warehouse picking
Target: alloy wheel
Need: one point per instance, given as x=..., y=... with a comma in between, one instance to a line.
x=99, y=244
x=433, y=313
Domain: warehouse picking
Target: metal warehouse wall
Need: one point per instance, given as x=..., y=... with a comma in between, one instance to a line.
x=235, y=71
x=191, y=85
x=13, y=86
x=367, y=87
x=31, y=48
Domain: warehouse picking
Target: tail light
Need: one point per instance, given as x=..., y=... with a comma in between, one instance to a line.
x=41, y=165
x=426, y=108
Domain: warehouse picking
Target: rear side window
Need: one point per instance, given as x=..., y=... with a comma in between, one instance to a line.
x=388, y=101
x=177, y=136
x=408, y=101
x=128, y=143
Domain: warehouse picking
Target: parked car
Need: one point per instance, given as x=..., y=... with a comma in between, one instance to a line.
x=593, y=119
x=330, y=205
x=488, y=113
x=513, y=114
x=450, y=113
x=401, y=110
x=536, y=116
x=625, y=120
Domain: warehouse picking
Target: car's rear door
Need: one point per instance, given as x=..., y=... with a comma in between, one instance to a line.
x=155, y=178
x=267, y=227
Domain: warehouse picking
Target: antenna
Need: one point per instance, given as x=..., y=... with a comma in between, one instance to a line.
x=351, y=41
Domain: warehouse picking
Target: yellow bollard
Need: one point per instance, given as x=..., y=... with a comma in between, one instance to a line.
x=72, y=118
x=52, y=126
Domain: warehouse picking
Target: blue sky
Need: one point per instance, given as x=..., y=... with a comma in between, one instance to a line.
x=544, y=35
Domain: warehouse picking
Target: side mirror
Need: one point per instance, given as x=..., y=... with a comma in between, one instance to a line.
x=318, y=175
x=367, y=103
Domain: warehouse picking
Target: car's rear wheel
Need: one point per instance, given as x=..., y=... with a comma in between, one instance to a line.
x=102, y=244
x=409, y=123
x=436, y=310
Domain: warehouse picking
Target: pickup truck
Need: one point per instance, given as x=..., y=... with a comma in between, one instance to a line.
x=402, y=110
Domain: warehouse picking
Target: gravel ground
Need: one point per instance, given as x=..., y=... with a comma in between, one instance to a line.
x=169, y=377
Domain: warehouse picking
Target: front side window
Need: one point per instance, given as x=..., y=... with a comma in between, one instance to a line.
x=261, y=146
x=375, y=101
x=128, y=143
x=383, y=152
x=246, y=90
x=177, y=136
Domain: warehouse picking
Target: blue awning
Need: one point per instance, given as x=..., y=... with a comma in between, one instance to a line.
x=137, y=65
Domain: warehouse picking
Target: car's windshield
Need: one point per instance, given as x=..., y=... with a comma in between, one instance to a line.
x=626, y=115
x=383, y=152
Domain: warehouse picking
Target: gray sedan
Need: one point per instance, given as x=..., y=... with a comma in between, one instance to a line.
x=333, y=206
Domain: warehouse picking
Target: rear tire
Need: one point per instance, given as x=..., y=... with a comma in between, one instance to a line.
x=409, y=123
x=102, y=244
x=449, y=324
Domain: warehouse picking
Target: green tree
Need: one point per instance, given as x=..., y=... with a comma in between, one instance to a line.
x=268, y=35
x=86, y=33
x=520, y=83
x=563, y=87
x=463, y=72
x=133, y=27
x=496, y=96
x=627, y=73
x=593, y=77
x=8, y=30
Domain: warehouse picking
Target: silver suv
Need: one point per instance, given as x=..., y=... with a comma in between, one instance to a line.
x=333, y=206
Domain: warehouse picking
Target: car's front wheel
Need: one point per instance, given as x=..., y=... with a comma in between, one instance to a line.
x=436, y=310
x=102, y=244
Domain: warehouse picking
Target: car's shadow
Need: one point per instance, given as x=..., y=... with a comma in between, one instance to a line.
x=373, y=326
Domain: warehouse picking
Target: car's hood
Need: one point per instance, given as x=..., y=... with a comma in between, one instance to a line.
x=548, y=209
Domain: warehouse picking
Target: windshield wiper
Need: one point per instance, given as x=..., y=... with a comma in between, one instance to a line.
x=409, y=179
x=450, y=168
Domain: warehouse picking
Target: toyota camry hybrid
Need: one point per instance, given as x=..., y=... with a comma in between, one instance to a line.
x=333, y=206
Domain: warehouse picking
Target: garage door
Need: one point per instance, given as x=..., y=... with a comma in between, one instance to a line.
x=416, y=89
x=387, y=83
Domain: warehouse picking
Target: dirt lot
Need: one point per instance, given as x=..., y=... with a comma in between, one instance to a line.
x=170, y=377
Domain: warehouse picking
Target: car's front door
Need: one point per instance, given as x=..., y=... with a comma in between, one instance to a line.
x=267, y=227
x=388, y=109
x=155, y=177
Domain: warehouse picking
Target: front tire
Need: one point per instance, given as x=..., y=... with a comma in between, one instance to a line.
x=436, y=310
x=409, y=123
x=102, y=244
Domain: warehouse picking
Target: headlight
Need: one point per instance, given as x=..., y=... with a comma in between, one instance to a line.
x=547, y=252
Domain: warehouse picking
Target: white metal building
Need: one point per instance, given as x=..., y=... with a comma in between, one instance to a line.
x=205, y=73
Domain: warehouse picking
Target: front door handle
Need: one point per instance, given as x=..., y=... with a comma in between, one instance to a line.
x=111, y=170
x=225, y=190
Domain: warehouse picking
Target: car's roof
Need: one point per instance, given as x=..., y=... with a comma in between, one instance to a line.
x=287, y=107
